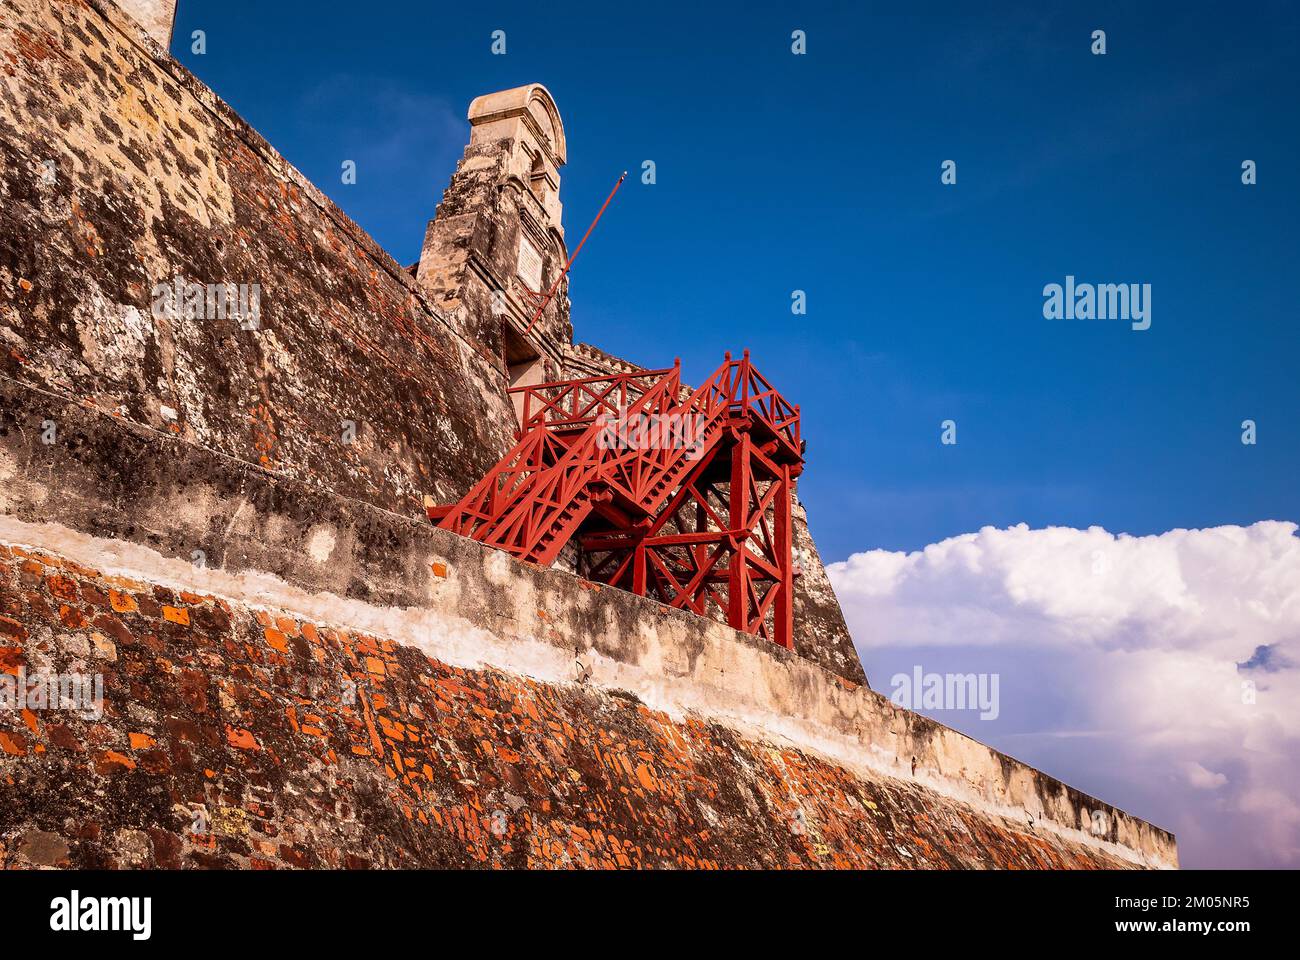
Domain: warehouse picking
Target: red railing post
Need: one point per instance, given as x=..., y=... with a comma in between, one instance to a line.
x=738, y=566
x=783, y=544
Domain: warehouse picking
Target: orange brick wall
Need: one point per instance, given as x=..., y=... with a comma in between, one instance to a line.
x=239, y=737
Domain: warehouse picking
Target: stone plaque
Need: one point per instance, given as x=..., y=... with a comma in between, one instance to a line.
x=529, y=267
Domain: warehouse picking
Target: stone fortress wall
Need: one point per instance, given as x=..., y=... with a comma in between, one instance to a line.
x=297, y=669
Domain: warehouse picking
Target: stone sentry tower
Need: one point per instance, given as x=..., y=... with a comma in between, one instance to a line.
x=156, y=16
x=497, y=241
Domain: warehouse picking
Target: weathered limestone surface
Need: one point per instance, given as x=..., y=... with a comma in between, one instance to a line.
x=156, y=16
x=287, y=548
x=119, y=171
x=820, y=631
x=498, y=231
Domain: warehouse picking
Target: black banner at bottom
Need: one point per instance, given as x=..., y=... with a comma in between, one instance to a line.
x=338, y=909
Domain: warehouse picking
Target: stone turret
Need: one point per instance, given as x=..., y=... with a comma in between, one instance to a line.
x=158, y=17
x=497, y=241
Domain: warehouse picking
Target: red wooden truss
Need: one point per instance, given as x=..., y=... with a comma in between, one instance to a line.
x=677, y=494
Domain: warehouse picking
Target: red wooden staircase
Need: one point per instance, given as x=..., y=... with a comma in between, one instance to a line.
x=680, y=495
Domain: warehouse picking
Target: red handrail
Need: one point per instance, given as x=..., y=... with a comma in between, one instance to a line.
x=543, y=484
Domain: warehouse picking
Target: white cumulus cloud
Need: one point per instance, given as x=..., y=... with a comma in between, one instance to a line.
x=1161, y=673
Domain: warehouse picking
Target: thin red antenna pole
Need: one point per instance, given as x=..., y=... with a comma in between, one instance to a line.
x=574, y=256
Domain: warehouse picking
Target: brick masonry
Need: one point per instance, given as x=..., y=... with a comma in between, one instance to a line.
x=241, y=737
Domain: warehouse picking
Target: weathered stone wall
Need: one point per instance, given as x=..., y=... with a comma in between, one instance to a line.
x=253, y=737
x=820, y=631
x=119, y=171
x=291, y=550
x=156, y=16
x=583, y=360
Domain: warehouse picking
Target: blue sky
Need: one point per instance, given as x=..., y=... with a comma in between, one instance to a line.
x=821, y=173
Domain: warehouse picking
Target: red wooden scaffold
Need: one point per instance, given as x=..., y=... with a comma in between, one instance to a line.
x=681, y=495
